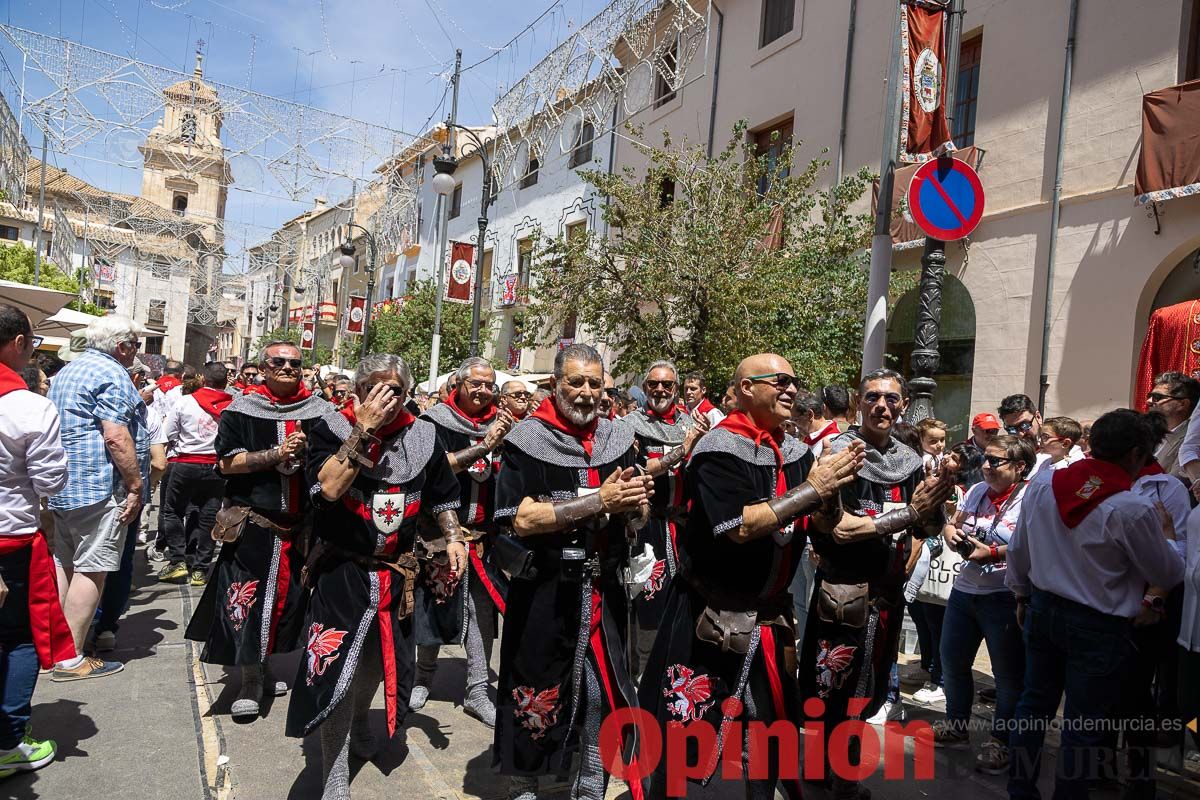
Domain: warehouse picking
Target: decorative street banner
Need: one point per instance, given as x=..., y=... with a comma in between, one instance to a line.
x=508, y=294
x=354, y=316
x=923, y=130
x=306, y=336
x=462, y=260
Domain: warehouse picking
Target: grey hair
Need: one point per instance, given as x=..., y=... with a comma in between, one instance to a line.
x=383, y=362
x=464, y=370
x=107, y=332
x=262, y=354
x=576, y=352
x=662, y=362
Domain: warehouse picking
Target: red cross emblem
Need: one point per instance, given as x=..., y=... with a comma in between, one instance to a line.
x=387, y=511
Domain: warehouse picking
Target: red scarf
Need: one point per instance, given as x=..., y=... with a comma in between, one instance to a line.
x=213, y=401
x=402, y=421
x=739, y=422
x=704, y=406
x=478, y=420
x=548, y=413
x=998, y=500
x=812, y=438
x=168, y=382
x=51, y=635
x=1153, y=468
x=1082, y=486
x=10, y=381
x=668, y=417
x=302, y=393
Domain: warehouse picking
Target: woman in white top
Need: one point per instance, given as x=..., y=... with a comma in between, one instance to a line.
x=981, y=607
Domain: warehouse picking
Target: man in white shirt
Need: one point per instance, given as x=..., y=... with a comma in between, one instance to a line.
x=33, y=629
x=695, y=397
x=1079, y=561
x=194, y=483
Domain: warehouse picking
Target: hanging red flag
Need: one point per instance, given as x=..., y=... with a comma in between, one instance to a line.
x=462, y=261
x=923, y=130
x=354, y=314
x=307, y=336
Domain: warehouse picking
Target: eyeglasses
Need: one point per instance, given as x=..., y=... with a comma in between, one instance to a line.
x=340, y=392
x=135, y=342
x=520, y=395
x=396, y=388
x=278, y=362
x=782, y=381
x=1159, y=397
x=995, y=462
x=1020, y=427
x=892, y=399
x=474, y=384
x=1045, y=440
x=668, y=385
x=578, y=382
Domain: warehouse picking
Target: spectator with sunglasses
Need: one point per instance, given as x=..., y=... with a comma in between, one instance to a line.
x=1173, y=398
x=341, y=389
x=1022, y=419
x=981, y=608
x=1058, y=446
x=514, y=398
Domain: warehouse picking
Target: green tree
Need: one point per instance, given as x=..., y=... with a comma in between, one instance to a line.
x=712, y=259
x=406, y=329
x=16, y=264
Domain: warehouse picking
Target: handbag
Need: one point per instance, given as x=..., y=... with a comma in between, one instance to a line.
x=230, y=523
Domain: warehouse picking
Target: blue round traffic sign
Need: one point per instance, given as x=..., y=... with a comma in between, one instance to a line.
x=945, y=199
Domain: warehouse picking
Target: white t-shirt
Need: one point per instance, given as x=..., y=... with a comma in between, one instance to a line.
x=1043, y=461
x=980, y=522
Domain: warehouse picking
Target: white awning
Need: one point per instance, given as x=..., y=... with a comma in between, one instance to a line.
x=36, y=302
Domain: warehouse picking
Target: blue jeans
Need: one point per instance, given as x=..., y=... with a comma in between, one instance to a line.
x=18, y=658
x=970, y=619
x=927, y=619
x=1077, y=650
x=115, y=598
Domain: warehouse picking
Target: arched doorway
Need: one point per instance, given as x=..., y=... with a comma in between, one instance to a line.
x=1171, y=341
x=956, y=348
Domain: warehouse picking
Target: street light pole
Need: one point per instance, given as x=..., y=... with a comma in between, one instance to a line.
x=477, y=295
x=372, y=251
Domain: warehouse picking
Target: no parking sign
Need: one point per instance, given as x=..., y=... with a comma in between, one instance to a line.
x=945, y=199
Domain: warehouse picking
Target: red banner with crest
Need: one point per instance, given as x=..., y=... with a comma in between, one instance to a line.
x=924, y=133
x=462, y=268
x=307, y=336
x=355, y=314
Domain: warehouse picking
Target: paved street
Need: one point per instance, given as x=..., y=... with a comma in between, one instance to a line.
x=161, y=730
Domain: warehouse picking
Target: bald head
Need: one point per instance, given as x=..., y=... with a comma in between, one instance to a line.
x=765, y=388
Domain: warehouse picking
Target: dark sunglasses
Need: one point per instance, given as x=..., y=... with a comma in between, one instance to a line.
x=1020, y=427
x=340, y=392
x=890, y=398
x=1158, y=397
x=995, y=462
x=668, y=385
x=782, y=381
x=519, y=395
x=279, y=362
x=396, y=388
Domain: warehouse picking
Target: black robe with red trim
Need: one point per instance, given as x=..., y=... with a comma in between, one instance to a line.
x=353, y=607
x=441, y=606
x=552, y=624
x=260, y=570
x=687, y=679
x=832, y=658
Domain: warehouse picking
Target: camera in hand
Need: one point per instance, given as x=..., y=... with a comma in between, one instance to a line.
x=965, y=547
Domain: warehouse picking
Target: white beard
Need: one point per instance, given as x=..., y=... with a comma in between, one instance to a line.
x=575, y=414
x=660, y=407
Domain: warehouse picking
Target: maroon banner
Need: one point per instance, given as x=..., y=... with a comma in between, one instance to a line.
x=307, y=336
x=462, y=268
x=354, y=314
x=923, y=130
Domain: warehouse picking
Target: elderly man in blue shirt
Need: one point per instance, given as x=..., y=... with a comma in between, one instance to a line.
x=99, y=407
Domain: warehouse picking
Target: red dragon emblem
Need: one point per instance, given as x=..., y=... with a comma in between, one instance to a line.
x=832, y=663
x=655, y=581
x=442, y=580
x=238, y=600
x=322, y=649
x=536, y=711
x=691, y=693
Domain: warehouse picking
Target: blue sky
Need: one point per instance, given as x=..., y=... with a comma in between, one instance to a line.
x=382, y=61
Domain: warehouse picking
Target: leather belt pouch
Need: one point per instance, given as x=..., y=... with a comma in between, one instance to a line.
x=728, y=630
x=844, y=604
x=510, y=555
x=230, y=523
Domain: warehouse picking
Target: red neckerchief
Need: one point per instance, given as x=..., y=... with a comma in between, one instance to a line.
x=168, y=382
x=668, y=417
x=998, y=500
x=402, y=421
x=1082, y=486
x=10, y=381
x=1153, y=468
x=302, y=393
x=812, y=438
x=704, y=406
x=548, y=413
x=52, y=638
x=478, y=420
x=213, y=401
x=739, y=422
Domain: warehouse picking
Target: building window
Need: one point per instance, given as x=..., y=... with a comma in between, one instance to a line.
x=485, y=281
x=10, y=233
x=570, y=324
x=531, y=172
x=778, y=16
x=157, y=315
x=666, y=191
x=665, y=79
x=152, y=345
x=524, y=263
x=456, y=202
x=966, y=92
x=581, y=153
x=771, y=142
x=187, y=131
x=179, y=204
x=104, y=299
x=576, y=230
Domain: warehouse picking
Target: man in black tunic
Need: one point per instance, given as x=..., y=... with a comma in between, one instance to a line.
x=725, y=653
x=374, y=468
x=567, y=491
x=853, y=631
x=469, y=428
x=253, y=604
x=665, y=436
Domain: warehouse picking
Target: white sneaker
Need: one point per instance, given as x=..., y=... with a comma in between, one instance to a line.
x=930, y=694
x=888, y=712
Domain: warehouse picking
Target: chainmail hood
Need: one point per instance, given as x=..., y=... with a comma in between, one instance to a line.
x=657, y=429
x=535, y=438
x=891, y=466
x=403, y=458
x=443, y=415
x=260, y=407
x=720, y=440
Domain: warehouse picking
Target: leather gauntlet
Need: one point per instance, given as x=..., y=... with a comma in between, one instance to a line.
x=672, y=457
x=469, y=455
x=261, y=460
x=896, y=521
x=796, y=503
x=570, y=512
x=355, y=448
x=448, y=525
